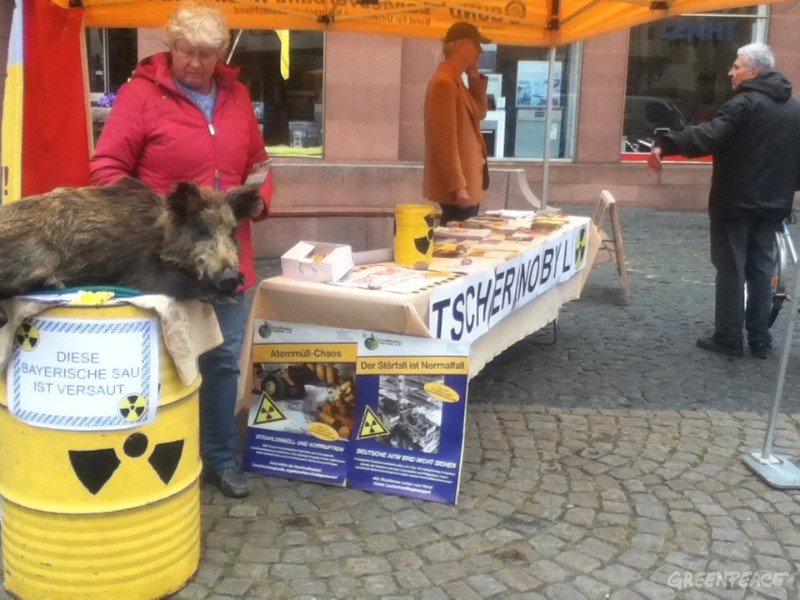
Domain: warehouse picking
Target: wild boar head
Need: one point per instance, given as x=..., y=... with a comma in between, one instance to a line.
x=199, y=233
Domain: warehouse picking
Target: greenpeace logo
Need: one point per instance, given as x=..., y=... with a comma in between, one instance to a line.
x=685, y=580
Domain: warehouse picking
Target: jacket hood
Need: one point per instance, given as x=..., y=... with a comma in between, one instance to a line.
x=156, y=69
x=773, y=84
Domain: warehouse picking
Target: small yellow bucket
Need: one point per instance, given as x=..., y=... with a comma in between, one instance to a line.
x=106, y=513
x=413, y=234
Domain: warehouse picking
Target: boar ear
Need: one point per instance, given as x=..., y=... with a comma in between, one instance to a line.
x=245, y=201
x=186, y=199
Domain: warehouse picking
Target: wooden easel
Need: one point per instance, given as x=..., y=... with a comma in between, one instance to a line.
x=611, y=248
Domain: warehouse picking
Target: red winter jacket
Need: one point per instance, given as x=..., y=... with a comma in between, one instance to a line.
x=156, y=134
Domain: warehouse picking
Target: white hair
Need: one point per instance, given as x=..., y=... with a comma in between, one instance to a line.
x=199, y=25
x=760, y=57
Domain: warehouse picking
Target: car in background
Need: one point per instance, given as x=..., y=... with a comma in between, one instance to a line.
x=645, y=116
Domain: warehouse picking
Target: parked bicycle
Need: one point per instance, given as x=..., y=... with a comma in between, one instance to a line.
x=785, y=256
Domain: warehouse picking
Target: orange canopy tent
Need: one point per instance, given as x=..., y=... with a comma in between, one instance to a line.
x=45, y=129
x=516, y=22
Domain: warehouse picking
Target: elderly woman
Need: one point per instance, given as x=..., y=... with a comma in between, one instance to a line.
x=184, y=116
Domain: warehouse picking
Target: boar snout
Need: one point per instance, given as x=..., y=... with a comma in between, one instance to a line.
x=229, y=281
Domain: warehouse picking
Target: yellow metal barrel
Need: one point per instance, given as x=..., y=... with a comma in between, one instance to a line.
x=103, y=513
x=413, y=234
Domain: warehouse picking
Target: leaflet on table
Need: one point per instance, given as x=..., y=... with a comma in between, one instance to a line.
x=301, y=414
x=499, y=224
x=443, y=239
x=464, y=311
x=548, y=223
x=461, y=233
x=502, y=249
x=490, y=250
x=504, y=224
x=512, y=214
x=389, y=277
x=410, y=414
x=465, y=265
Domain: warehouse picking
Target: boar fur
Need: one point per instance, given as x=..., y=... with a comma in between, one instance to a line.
x=183, y=245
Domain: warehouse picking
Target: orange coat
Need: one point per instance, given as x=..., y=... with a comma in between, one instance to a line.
x=455, y=152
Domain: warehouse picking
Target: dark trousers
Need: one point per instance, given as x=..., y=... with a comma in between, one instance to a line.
x=743, y=252
x=451, y=212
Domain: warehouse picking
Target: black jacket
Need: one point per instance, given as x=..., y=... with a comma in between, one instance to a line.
x=755, y=140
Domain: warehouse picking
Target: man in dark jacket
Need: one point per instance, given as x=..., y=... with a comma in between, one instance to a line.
x=755, y=141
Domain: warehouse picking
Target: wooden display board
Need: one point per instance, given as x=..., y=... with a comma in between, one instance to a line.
x=612, y=248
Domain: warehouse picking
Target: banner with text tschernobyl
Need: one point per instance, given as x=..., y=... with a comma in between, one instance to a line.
x=465, y=309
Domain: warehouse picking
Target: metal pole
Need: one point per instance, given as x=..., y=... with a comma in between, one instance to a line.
x=233, y=46
x=787, y=345
x=778, y=471
x=548, y=118
x=105, y=61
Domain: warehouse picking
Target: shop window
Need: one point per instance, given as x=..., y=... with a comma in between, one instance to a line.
x=678, y=71
x=290, y=111
x=112, y=58
x=515, y=125
x=111, y=54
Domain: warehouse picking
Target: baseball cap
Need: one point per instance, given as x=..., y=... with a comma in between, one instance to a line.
x=465, y=31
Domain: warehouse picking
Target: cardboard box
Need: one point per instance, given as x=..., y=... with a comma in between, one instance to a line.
x=317, y=261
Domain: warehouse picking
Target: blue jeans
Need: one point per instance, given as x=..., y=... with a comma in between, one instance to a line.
x=219, y=369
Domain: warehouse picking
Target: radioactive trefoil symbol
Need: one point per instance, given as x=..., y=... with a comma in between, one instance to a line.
x=94, y=468
x=580, y=248
x=423, y=244
x=27, y=336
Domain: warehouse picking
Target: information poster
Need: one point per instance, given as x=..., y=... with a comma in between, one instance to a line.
x=532, y=76
x=410, y=413
x=373, y=411
x=303, y=401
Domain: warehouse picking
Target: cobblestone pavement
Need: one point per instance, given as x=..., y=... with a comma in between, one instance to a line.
x=604, y=465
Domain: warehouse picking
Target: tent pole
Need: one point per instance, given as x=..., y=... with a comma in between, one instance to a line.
x=548, y=118
x=233, y=46
x=105, y=59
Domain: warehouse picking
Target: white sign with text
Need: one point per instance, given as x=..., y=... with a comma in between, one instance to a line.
x=465, y=310
x=82, y=374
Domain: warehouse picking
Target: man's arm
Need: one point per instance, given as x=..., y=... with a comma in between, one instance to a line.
x=478, y=84
x=703, y=139
x=710, y=137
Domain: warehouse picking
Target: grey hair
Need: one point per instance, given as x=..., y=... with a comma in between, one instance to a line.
x=760, y=57
x=199, y=25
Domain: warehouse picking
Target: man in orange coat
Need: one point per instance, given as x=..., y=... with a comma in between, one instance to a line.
x=455, y=153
